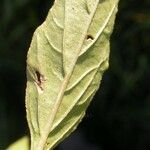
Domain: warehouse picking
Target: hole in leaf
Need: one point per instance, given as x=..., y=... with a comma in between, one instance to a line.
x=89, y=37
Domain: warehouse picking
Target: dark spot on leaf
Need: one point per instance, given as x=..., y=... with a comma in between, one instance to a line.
x=38, y=75
x=39, y=79
x=89, y=37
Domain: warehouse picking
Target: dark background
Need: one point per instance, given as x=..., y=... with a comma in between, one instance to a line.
x=119, y=116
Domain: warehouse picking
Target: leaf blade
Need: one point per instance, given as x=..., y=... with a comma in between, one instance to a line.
x=70, y=67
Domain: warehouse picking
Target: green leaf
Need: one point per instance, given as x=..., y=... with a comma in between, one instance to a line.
x=21, y=144
x=67, y=57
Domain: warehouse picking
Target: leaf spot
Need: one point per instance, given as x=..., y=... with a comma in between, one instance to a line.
x=39, y=80
x=38, y=75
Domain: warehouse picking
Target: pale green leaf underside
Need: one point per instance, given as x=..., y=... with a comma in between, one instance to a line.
x=67, y=57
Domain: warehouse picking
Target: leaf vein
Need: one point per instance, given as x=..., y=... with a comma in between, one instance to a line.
x=56, y=22
x=100, y=32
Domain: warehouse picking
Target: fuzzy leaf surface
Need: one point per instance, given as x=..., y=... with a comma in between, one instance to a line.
x=65, y=63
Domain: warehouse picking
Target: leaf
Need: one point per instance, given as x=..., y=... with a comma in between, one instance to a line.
x=67, y=57
x=21, y=144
